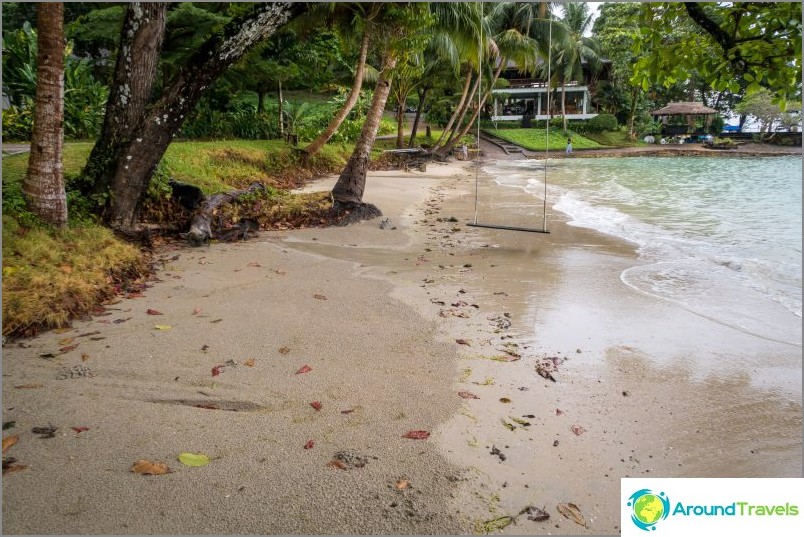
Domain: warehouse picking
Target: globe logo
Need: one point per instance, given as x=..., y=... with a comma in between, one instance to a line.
x=648, y=508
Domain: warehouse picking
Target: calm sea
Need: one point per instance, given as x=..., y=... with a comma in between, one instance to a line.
x=720, y=237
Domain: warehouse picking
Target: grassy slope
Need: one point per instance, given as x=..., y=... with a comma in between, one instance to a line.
x=536, y=139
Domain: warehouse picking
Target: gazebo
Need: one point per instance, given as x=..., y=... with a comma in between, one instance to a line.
x=687, y=112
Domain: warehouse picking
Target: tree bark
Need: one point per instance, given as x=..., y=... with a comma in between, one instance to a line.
x=450, y=144
x=260, y=101
x=564, y=104
x=281, y=111
x=458, y=108
x=459, y=123
x=400, y=121
x=155, y=127
x=354, y=95
x=43, y=186
x=348, y=191
x=135, y=73
x=422, y=96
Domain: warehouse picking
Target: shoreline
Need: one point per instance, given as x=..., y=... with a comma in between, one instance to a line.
x=382, y=346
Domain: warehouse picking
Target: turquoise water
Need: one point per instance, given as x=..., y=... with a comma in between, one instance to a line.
x=720, y=237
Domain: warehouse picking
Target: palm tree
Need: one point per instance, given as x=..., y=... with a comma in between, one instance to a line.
x=43, y=185
x=360, y=16
x=577, y=50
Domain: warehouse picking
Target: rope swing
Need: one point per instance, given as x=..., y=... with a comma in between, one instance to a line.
x=547, y=132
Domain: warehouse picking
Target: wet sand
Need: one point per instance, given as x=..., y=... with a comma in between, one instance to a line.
x=381, y=339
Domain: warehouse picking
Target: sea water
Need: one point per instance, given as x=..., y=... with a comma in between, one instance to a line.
x=718, y=236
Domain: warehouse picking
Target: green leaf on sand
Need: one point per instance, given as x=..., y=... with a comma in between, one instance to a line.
x=193, y=459
x=163, y=327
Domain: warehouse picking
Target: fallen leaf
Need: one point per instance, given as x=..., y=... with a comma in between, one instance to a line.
x=304, y=369
x=67, y=269
x=402, y=484
x=507, y=358
x=491, y=526
x=578, y=430
x=559, y=412
x=207, y=407
x=10, y=441
x=416, y=435
x=505, y=400
x=153, y=312
x=309, y=444
x=119, y=321
x=535, y=514
x=254, y=264
x=519, y=421
x=9, y=424
x=84, y=357
x=45, y=432
x=66, y=341
x=280, y=272
x=144, y=467
x=320, y=297
x=284, y=350
x=204, y=348
x=316, y=405
x=572, y=512
x=193, y=459
x=509, y=426
x=28, y=386
x=80, y=429
x=335, y=463
x=163, y=327
x=9, y=466
x=467, y=395
x=68, y=348
x=217, y=370
x=347, y=411
x=216, y=321
x=463, y=342
x=196, y=311
x=249, y=362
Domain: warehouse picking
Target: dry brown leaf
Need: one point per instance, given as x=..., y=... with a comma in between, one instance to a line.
x=84, y=357
x=8, y=467
x=10, y=441
x=463, y=342
x=402, y=484
x=28, y=386
x=249, y=362
x=67, y=269
x=149, y=311
x=144, y=467
x=254, y=264
x=68, y=348
x=467, y=395
x=280, y=272
x=572, y=512
x=578, y=430
x=196, y=311
x=320, y=297
x=335, y=463
x=284, y=350
x=66, y=341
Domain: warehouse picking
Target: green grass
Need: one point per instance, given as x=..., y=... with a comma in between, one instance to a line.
x=617, y=138
x=536, y=139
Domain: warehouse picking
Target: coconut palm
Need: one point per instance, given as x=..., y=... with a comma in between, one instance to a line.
x=43, y=185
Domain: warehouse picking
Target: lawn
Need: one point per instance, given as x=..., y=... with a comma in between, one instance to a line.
x=536, y=139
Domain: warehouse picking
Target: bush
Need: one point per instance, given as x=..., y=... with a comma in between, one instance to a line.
x=602, y=122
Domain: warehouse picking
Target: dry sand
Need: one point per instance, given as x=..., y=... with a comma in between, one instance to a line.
x=375, y=313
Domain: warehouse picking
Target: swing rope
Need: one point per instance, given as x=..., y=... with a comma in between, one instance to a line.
x=547, y=132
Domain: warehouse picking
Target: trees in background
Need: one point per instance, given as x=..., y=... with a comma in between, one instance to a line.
x=43, y=186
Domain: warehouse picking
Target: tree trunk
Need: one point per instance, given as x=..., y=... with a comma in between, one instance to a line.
x=354, y=95
x=348, y=191
x=422, y=96
x=450, y=144
x=135, y=73
x=400, y=121
x=140, y=152
x=43, y=186
x=459, y=123
x=455, y=112
x=260, y=101
x=564, y=104
x=632, y=114
x=281, y=111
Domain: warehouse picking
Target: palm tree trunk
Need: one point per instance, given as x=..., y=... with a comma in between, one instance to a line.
x=422, y=96
x=281, y=112
x=450, y=144
x=459, y=123
x=400, y=121
x=43, y=185
x=564, y=104
x=354, y=95
x=348, y=191
x=458, y=108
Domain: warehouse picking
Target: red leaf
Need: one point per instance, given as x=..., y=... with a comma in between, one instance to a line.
x=217, y=370
x=153, y=312
x=196, y=311
x=68, y=348
x=316, y=405
x=468, y=395
x=578, y=430
x=416, y=435
x=80, y=429
x=304, y=369
x=559, y=412
x=309, y=444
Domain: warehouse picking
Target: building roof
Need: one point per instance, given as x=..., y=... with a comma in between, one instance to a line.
x=684, y=108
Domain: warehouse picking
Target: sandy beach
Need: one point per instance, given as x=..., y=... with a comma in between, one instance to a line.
x=421, y=324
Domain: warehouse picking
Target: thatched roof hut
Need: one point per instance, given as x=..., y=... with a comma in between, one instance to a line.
x=684, y=109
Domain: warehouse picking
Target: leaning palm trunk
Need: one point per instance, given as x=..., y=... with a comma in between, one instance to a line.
x=43, y=185
x=354, y=95
x=348, y=191
x=449, y=145
x=457, y=126
x=564, y=104
x=414, y=129
x=458, y=108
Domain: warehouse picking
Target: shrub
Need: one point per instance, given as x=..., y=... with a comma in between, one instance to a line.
x=602, y=122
